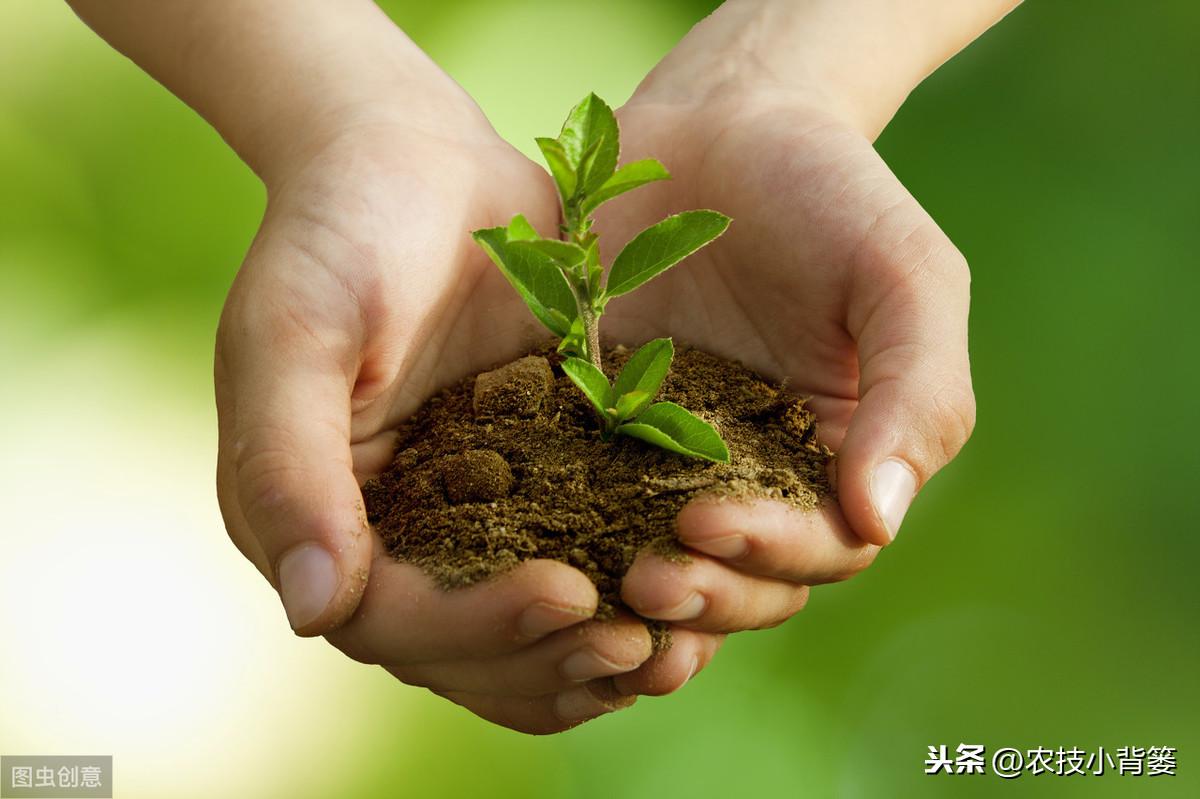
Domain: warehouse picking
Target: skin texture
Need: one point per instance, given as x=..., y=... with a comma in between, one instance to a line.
x=831, y=277
x=361, y=301
x=363, y=294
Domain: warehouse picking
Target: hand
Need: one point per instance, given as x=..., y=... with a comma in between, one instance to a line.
x=362, y=294
x=831, y=277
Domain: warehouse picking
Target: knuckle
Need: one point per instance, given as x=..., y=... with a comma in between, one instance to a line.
x=261, y=474
x=954, y=413
x=267, y=311
x=250, y=311
x=948, y=264
x=921, y=264
x=936, y=258
x=898, y=239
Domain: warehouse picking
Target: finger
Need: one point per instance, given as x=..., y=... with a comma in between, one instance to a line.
x=772, y=539
x=373, y=455
x=559, y=661
x=405, y=617
x=704, y=594
x=916, y=409
x=545, y=714
x=668, y=671
x=285, y=476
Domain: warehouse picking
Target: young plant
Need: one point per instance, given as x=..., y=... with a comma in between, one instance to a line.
x=564, y=285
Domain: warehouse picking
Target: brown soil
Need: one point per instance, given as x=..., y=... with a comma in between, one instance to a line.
x=508, y=465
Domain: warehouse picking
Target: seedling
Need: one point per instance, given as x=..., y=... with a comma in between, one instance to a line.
x=564, y=285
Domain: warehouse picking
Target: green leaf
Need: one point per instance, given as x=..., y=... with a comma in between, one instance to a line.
x=564, y=253
x=535, y=277
x=671, y=427
x=587, y=168
x=661, y=246
x=560, y=319
x=520, y=229
x=560, y=167
x=575, y=342
x=645, y=371
x=591, y=124
x=629, y=405
x=627, y=178
x=591, y=382
x=595, y=273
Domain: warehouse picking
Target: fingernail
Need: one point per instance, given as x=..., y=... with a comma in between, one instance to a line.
x=688, y=609
x=542, y=619
x=893, y=486
x=308, y=579
x=587, y=664
x=728, y=547
x=691, y=670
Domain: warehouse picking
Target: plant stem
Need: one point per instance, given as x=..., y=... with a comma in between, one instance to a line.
x=576, y=233
x=591, y=332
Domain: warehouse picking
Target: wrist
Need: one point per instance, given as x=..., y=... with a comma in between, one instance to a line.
x=355, y=119
x=280, y=79
x=854, y=59
x=382, y=86
x=751, y=56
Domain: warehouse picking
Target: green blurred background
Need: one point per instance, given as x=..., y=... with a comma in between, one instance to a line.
x=1043, y=592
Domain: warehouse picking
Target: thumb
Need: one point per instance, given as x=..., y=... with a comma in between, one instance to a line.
x=285, y=474
x=916, y=409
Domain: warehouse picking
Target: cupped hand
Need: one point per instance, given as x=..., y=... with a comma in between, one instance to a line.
x=830, y=277
x=363, y=294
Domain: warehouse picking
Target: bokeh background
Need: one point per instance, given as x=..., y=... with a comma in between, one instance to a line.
x=1044, y=591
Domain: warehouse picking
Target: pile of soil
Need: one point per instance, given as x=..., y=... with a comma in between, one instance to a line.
x=508, y=465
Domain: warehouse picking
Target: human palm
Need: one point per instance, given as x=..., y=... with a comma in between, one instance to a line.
x=816, y=213
x=832, y=278
x=362, y=295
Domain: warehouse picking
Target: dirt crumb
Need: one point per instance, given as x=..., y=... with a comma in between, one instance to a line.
x=515, y=389
x=509, y=465
x=477, y=475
